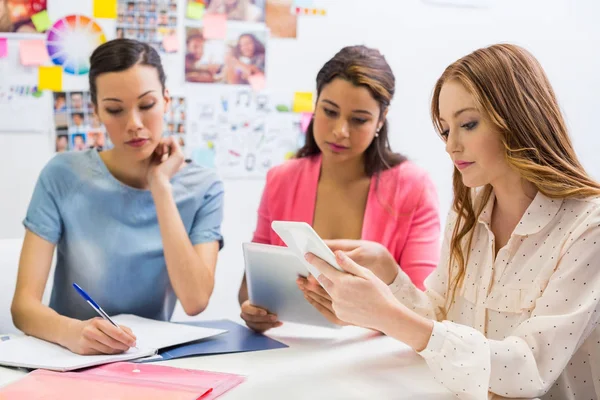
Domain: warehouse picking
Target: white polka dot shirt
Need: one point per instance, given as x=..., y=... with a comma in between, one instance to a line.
x=523, y=325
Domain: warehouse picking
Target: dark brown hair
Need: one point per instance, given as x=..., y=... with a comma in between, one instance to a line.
x=361, y=66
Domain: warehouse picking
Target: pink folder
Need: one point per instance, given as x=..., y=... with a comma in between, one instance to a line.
x=122, y=381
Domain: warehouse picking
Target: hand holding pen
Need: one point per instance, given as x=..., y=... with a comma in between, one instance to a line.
x=97, y=335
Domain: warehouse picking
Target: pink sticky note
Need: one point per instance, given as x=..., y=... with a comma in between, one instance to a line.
x=305, y=121
x=33, y=52
x=215, y=26
x=171, y=43
x=3, y=47
x=257, y=81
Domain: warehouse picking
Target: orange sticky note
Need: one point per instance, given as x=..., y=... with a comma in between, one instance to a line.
x=105, y=9
x=50, y=78
x=303, y=102
x=257, y=81
x=33, y=52
x=41, y=21
x=3, y=47
x=171, y=43
x=215, y=26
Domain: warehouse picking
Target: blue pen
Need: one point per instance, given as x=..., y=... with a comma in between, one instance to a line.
x=95, y=306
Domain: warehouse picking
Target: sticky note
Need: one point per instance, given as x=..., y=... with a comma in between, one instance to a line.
x=41, y=21
x=171, y=43
x=195, y=10
x=215, y=26
x=204, y=157
x=305, y=121
x=105, y=9
x=33, y=52
x=303, y=102
x=50, y=78
x=257, y=81
x=3, y=47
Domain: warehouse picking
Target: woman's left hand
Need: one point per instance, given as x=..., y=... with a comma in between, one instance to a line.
x=167, y=159
x=358, y=297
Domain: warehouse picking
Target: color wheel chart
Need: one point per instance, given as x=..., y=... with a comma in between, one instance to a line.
x=71, y=41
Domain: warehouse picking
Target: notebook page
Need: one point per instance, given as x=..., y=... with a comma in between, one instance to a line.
x=160, y=334
x=30, y=352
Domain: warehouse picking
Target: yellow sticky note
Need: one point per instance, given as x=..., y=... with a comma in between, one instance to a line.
x=105, y=9
x=41, y=21
x=171, y=43
x=50, y=78
x=33, y=52
x=303, y=102
x=195, y=10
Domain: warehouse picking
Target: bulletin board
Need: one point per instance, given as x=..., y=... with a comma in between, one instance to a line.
x=223, y=112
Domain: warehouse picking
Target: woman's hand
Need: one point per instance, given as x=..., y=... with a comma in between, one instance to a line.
x=98, y=336
x=318, y=298
x=258, y=319
x=371, y=255
x=167, y=159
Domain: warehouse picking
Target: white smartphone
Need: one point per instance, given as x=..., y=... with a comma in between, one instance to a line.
x=301, y=238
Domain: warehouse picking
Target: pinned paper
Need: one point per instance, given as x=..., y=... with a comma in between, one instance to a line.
x=41, y=21
x=257, y=81
x=204, y=157
x=105, y=9
x=215, y=26
x=171, y=43
x=33, y=52
x=195, y=10
x=50, y=78
x=3, y=47
x=305, y=121
x=303, y=102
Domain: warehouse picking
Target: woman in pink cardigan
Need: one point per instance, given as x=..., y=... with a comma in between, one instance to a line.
x=347, y=183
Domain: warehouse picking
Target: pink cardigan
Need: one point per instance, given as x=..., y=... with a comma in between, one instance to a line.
x=402, y=214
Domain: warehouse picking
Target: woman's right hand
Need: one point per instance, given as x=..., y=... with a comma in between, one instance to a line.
x=98, y=336
x=258, y=319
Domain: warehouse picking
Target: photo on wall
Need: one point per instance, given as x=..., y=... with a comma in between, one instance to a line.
x=246, y=55
x=16, y=16
x=237, y=10
x=148, y=21
x=279, y=19
x=175, y=119
x=76, y=125
x=204, y=59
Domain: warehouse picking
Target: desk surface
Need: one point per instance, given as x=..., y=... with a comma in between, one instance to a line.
x=351, y=363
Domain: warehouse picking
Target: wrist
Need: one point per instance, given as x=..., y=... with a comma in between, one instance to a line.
x=159, y=185
x=65, y=331
x=406, y=326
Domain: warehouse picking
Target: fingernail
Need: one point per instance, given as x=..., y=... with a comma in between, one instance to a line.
x=307, y=256
x=273, y=318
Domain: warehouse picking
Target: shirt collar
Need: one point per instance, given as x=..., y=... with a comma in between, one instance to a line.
x=537, y=216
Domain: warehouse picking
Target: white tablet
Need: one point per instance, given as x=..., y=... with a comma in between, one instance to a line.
x=271, y=273
x=301, y=238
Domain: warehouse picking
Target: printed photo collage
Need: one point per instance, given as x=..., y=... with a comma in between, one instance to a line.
x=77, y=127
x=148, y=21
x=175, y=119
x=239, y=57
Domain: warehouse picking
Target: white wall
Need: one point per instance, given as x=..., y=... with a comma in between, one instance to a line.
x=419, y=41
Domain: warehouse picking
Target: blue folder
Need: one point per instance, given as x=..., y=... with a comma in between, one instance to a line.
x=237, y=339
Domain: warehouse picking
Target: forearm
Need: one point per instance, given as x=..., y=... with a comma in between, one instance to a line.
x=406, y=326
x=191, y=278
x=35, y=319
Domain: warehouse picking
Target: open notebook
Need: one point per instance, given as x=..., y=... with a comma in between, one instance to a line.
x=29, y=352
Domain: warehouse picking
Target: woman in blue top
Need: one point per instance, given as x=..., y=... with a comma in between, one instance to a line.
x=135, y=226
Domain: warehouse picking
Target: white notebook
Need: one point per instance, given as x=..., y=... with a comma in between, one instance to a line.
x=30, y=352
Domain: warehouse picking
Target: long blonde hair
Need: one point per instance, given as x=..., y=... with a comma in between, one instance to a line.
x=512, y=91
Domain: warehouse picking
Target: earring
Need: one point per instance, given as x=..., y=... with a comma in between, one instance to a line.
x=377, y=132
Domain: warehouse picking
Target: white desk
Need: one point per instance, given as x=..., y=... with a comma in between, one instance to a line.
x=319, y=364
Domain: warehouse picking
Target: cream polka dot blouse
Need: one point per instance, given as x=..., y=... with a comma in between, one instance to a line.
x=524, y=323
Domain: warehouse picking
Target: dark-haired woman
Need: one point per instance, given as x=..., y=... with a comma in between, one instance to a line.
x=135, y=226
x=348, y=184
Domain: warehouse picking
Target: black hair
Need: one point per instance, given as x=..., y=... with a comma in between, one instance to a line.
x=119, y=55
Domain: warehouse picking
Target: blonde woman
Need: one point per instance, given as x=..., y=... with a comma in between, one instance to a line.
x=512, y=309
